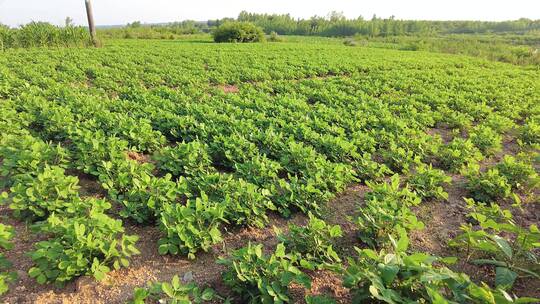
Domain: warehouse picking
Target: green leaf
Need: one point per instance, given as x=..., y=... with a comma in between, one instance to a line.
x=504, y=277
x=41, y=279
x=208, y=294
x=167, y=289
x=163, y=249
x=388, y=273
x=504, y=245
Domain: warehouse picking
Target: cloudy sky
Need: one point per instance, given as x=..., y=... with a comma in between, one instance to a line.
x=109, y=12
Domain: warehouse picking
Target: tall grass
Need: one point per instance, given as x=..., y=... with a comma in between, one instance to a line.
x=42, y=34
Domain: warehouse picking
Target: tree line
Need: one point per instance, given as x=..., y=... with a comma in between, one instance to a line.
x=336, y=24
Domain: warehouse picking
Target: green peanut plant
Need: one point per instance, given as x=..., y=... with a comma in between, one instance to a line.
x=191, y=227
x=84, y=245
x=174, y=292
x=315, y=242
x=259, y=278
x=6, y=235
x=496, y=240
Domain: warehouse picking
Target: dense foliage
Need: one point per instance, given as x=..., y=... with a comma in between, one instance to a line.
x=238, y=32
x=42, y=34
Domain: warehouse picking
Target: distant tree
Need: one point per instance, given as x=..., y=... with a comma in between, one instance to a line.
x=69, y=22
x=134, y=24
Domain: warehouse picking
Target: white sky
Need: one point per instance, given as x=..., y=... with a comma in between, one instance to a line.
x=109, y=12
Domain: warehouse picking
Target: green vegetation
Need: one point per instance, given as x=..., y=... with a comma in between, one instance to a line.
x=42, y=34
x=259, y=278
x=238, y=32
x=203, y=146
x=174, y=292
x=501, y=243
x=6, y=235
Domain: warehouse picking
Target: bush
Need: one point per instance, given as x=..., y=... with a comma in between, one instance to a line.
x=274, y=37
x=238, y=32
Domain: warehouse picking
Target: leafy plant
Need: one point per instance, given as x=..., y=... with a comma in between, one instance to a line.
x=488, y=186
x=486, y=139
x=184, y=159
x=174, y=292
x=500, y=242
x=191, y=227
x=529, y=132
x=315, y=242
x=238, y=32
x=458, y=153
x=258, y=278
x=86, y=245
x=519, y=173
x=6, y=235
x=369, y=170
x=246, y=204
x=386, y=211
x=397, y=277
x=25, y=154
x=50, y=191
x=428, y=182
x=145, y=199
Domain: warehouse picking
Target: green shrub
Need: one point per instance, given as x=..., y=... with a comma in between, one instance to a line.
x=258, y=278
x=274, y=37
x=238, y=32
x=428, y=182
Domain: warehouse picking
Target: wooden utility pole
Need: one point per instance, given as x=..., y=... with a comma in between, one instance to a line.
x=91, y=26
